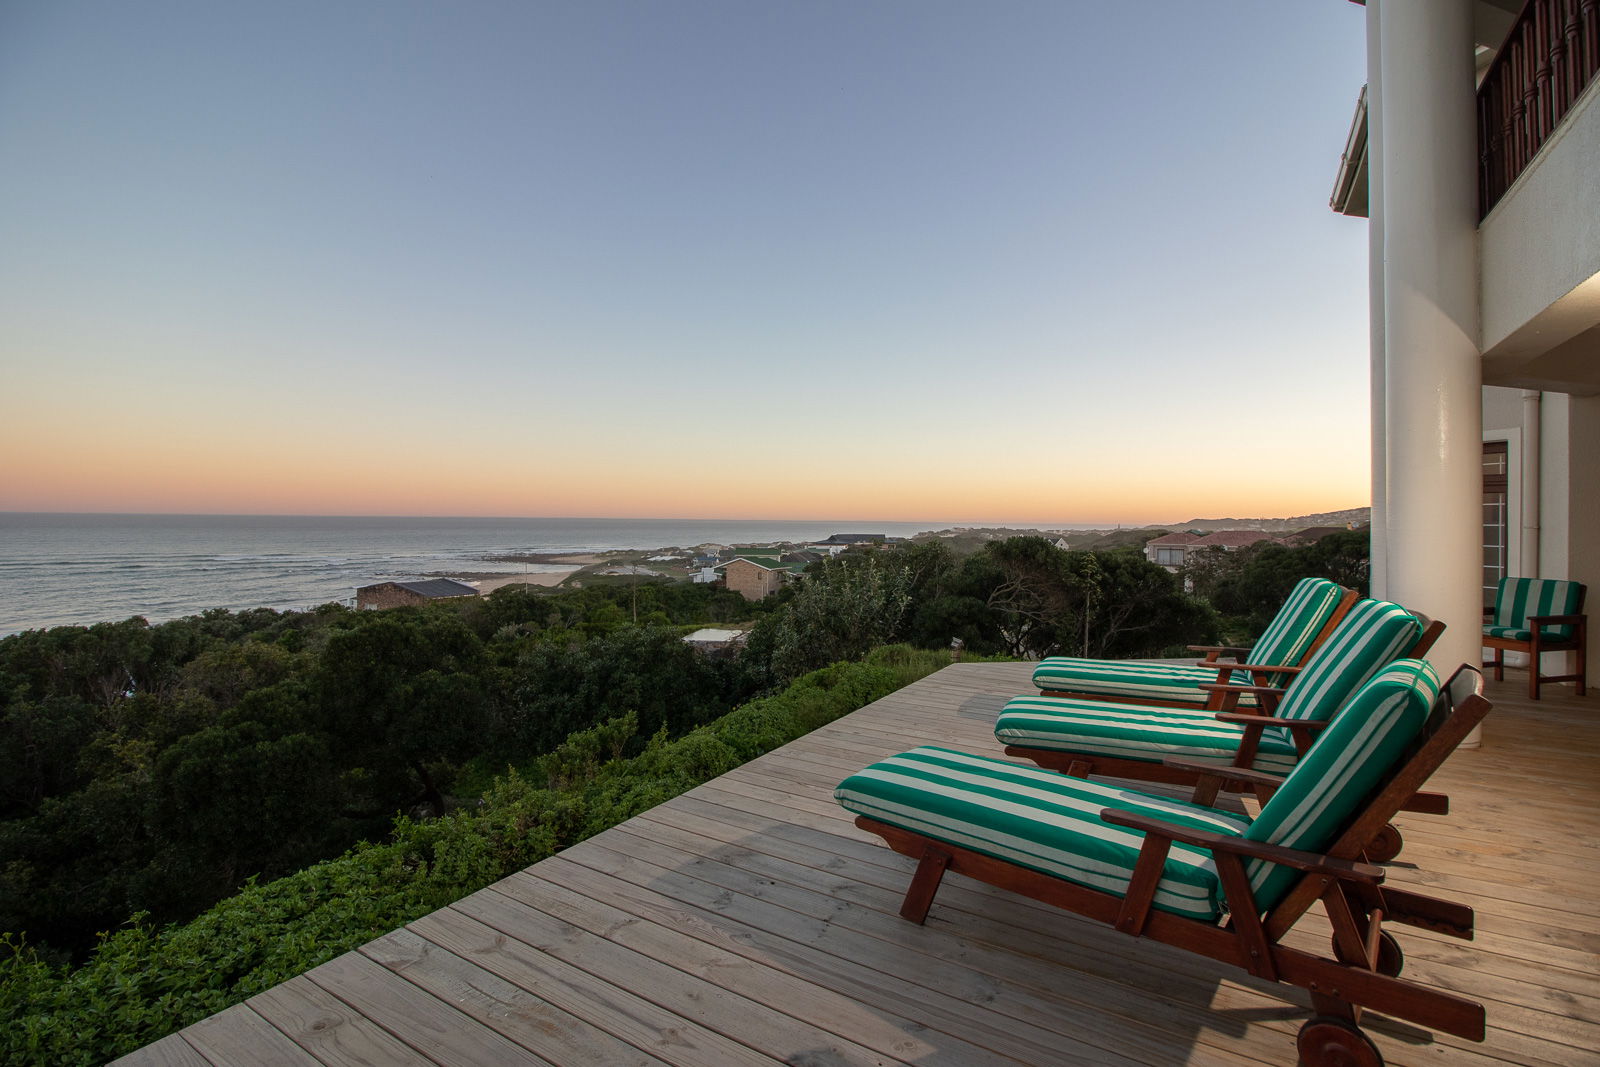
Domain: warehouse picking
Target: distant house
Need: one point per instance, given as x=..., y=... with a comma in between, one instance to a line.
x=1170, y=551
x=403, y=594
x=1173, y=550
x=757, y=576
x=705, y=575
x=837, y=543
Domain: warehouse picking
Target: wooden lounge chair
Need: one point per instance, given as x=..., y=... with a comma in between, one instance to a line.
x=1534, y=616
x=1206, y=881
x=1306, y=619
x=1083, y=737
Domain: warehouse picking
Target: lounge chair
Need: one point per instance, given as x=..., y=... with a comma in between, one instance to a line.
x=1084, y=737
x=1534, y=616
x=1210, y=882
x=1314, y=607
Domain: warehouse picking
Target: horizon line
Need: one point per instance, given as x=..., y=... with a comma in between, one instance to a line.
x=947, y=524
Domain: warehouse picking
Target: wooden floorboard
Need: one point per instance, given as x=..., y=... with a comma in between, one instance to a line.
x=750, y=921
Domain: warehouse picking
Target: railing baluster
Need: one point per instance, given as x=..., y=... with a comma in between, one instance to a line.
x=1548, y=59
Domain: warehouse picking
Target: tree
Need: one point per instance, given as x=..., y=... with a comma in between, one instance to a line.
x=841, y=609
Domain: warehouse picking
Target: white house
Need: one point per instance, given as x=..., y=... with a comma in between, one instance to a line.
x=1476, y=155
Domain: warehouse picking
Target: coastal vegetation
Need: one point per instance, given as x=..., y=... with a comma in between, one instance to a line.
x=194, y=811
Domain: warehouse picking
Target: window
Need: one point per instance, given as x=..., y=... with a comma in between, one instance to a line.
x=1169, y=557
x=1496, y=480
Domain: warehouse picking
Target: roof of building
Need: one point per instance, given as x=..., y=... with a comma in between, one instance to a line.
x=712, y=636
x=767, y=563
x=1233, y=539
x=854, y=538
x=1174, y=539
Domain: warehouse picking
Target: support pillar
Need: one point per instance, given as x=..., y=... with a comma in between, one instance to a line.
x=1432, y=372
x=1378, y=580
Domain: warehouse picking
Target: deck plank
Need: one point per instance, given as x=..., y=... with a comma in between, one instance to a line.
x=750, y=921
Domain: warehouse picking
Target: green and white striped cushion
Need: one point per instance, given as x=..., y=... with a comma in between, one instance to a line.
x=1366, y=640
x=1040, y=820
x=1129, y=731
x=1317, y=801
x=1518, y=599
x=1285, y=641
x=1124, y=678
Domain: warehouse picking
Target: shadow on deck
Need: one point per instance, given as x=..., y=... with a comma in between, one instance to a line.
x=749, y=921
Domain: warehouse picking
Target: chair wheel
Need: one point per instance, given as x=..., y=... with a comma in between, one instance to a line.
x=1327, y=1041
x=1390, y=958
x=1385, y=844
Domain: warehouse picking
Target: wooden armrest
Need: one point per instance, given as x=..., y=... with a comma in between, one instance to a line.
x=1259, y=667
x=1536, y=622
x=1310, y=862
x=1213, y=651
x=1294, y=725
x=1221, y=770
x=1225, y=687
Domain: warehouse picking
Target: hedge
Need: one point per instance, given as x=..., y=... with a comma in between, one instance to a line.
x=142, y=982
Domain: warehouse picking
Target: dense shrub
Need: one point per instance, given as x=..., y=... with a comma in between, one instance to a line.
x=145, y=981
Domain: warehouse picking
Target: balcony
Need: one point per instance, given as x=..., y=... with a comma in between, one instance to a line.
x=749, y=921
x=1551, y=54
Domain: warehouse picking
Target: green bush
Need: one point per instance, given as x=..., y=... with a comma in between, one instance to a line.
x=144, y=981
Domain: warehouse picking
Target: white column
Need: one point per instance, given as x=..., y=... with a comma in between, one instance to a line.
x=1433, y=400
x=1532, y=424
x=1379, y=580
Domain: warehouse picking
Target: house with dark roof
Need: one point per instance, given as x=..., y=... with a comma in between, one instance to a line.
x=404, y=594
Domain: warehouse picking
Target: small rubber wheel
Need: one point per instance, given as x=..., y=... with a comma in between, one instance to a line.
x=1390, y=958
x=1327, y=1041
x=1385, y=844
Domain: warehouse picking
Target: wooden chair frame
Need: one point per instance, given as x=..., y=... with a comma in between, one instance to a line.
x=1537, y=644
x=1367, y=963
x=1214, y=654
x=1239, y=778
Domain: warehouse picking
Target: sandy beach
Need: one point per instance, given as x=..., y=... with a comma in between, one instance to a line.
x=547, y=579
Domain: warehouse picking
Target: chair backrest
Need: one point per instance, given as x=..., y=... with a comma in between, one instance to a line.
x=1519, y=599
x=1374, y=634
x=1289, y=637
x=1325, y=791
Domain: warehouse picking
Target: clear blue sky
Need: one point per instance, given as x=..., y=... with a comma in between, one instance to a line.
x=974, y=261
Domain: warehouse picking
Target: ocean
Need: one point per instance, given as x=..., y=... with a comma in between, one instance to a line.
x=58, y=570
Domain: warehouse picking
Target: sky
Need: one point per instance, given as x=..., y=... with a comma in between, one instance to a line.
x=1045, y=262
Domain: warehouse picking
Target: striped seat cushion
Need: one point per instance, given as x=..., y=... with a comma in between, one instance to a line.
x=1132, y=732
x=1285, y=641
x=1516, y=600
x=1040, y=820
x=1134, y=681
x=1332, y=782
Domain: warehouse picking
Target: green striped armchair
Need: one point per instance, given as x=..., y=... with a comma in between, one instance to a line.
x=1534, y=616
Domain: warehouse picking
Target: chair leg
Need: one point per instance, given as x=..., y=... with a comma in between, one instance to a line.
x=924, y=884
x=1499, y=664
x=1583, y=642
x=1533, y=666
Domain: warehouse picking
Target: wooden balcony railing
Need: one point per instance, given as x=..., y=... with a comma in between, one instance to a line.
x=1549, y=57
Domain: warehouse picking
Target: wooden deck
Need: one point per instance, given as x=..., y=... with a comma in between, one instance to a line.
x=748, y=921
